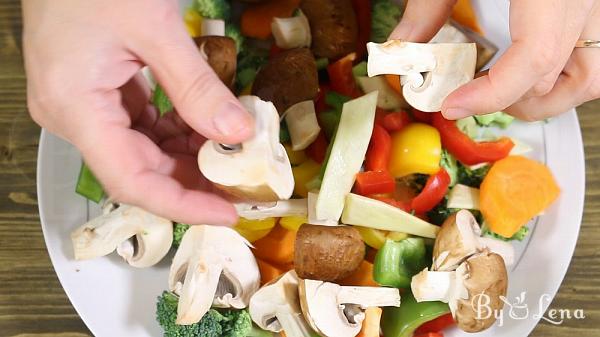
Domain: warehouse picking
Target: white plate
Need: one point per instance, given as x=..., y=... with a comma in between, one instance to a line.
x=116, y=300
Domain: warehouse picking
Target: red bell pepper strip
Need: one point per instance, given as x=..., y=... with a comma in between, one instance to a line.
x=393, y=202
x=422, y=117
x=379, y=115
x=320, y=104
x=274, y=50
x=466, y=150
x=362, y=8
x=340, y=76
x=434, y=191
x=430, y=334
x=379, y=151
x=316, y=151
x=436, y=325
x=374, y=182
x=395, y=121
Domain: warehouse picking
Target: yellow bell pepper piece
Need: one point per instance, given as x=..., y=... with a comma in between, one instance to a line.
x=296, y=157
x=304, y=173
x=193, y=22
x=372, y=237
x=253, y=230
x=397, y=236
x=292, y=223
x=417, y=148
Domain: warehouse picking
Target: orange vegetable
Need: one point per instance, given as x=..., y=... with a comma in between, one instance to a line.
x=256, y=19
x=363, y=276
x=268, y=272
x=515, y=190
x=394, y=82
x=370, y=326
x=277, y=247
x=464, y=14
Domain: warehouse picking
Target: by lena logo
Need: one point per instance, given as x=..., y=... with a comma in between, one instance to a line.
x=518, y=309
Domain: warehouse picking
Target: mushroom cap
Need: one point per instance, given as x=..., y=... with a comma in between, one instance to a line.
x=484, y=274
x=212, y=267
x=456, y=241
x=221, y=55
x=447, y=66
x=140, y=237
x=260, y=170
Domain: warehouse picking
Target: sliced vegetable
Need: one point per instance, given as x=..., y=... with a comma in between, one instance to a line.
x=498, y=118
x=268, y=271
x=301, y=120
x=520, y=235
x=403, y=321
x=296, y=157
x=292, y=223
x=277, y=247
x=213, y=9
x=374, y=182
x=253, y=230
x=317, y=150
x=341, y=77
x=388, y=98
x=421, y=116
x=322, y=63
x=396, y=121
x=304, y=173
x=468, y=126
x=465, y=149
x=193, y=22
x=463, y=197
x=472, y=176
x=233, y=32
x=521, y=148
x=367, y=212
x=347, y=154
x=436, y=325
x=434, y=191
x=449, y=163
x=385, y=16
x=370, y=326
x=291, y=32
x=362, y=8
x=88, y=186
x=213, y=27
x=372, y=237
x=430, y=334
x=397, y=262
x=360, y=69
x=256, y=19
x=415, y=149
x=379, y=151
x=515, y=190
x=394, y=82
x=464, y=14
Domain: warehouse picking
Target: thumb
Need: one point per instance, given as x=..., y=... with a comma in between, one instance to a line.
x=422, y=19
x=201, y=99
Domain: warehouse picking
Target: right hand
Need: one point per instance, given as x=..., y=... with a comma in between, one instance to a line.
x=82, y=61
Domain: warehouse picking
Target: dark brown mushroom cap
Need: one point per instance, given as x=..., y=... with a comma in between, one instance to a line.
x=288, y=78
x=221, y=55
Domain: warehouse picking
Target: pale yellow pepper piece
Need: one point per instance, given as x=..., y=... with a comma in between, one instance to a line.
x=296, y=157
x=253, y=230
x=304, y=173
x=417, y=148
x=193, y=22
x=292, y=223
x=397, y=236
x=372, y=237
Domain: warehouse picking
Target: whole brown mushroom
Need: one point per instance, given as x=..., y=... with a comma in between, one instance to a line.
x=221, y=54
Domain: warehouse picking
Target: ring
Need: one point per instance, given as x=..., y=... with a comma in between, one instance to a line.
x=587, y=44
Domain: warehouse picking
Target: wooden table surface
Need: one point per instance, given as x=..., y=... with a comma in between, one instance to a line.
x=32, y=302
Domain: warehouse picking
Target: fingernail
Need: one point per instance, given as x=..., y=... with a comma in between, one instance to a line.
x=231, y=120
x=457, y=113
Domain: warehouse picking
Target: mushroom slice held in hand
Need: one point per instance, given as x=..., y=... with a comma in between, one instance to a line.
x=212, y=267
x=482, y=275
x=338, y=311
x=276, y=307
x=429, y=71
x=460, y=237
x=140, y=237
x=258, y=169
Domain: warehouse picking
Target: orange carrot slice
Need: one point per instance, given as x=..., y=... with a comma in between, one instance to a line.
x=363, y=276
x=394, y=82
x=256, y=19
x=464, y=14
x=277, y=247
x=370, y=326
x=515, y=190
x=268, y=272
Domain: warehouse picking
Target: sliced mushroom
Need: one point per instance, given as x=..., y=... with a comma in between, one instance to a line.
x=259, y=169
x=291, y=32
x=277, y=209
x=301, y=120
x=338, y=311
x=140, y=237
x=482, y=278
x=276, y=307
x=213, y=27
x=212, y=267
x=221, y=54
x=431, y=71
x=460, y=237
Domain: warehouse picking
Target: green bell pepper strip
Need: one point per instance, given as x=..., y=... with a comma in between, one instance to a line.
x=397, y=262
x=403, y=321
x=88, y=186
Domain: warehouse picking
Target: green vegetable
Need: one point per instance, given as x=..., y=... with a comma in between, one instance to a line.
x=360, y=69
x=88, y=186
x=322, y=63
x=449, y=163
x=403, y=321
x=213, y=9
x=397, y=262
x=499, y=118
x=161, y=101
x=468, y=126
x=440, y=212
x=520, y=235
x=284, y=133
x=329, y=120
x=335, y=100
x=233, y=31
x=385, y=16
x=463, y=197
x=258, y=332
x=469, y=177
x=178, y=230
x=250, y=59
x=222, y=323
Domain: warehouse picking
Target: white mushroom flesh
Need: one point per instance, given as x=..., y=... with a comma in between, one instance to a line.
x=277, y=209
x=291, y=32
x=443, y=286
x=302, y=123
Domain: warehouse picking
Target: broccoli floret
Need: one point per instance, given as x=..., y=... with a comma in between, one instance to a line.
x=233, y=31
x=178, y=230
x=213, y=9
x=223, y=323
x=161, y=101
x=250, y=59
x=449, y=163
x=385, y=16
x=520, y=235
x=472, y=178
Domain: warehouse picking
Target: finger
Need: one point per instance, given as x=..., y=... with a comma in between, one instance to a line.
x=422, y=19
x=170, y=125
x=136, y=100
x=188, y=144
x=535, y=52
x=201, y=99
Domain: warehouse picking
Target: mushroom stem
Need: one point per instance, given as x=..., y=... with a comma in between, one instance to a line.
x=372, y=296
x=443, y=286
x=278, y=209
x=293, y=324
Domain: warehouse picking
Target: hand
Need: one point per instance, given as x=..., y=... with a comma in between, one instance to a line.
x=540, y=75
x=83, y=59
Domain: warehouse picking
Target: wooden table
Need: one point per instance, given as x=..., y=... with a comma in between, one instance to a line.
x=32, y=302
